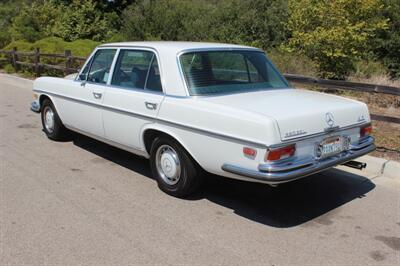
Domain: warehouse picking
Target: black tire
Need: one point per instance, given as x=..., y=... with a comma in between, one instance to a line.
x=190, y=177
x=58, y=131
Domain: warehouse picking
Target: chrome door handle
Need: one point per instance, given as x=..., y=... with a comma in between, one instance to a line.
x=151, y=106
x=97, y=95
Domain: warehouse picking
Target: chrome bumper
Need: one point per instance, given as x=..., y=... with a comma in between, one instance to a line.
x=35, y=107
x=301, y=167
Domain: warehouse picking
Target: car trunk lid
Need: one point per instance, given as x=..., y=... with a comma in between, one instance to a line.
x=298, y=113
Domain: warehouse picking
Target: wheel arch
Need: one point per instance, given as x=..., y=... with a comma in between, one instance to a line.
x=150, y=132
x=44, y=96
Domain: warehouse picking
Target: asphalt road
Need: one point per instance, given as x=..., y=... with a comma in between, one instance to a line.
x=84, y=202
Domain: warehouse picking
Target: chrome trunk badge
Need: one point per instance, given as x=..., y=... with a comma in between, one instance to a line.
x=329, y=119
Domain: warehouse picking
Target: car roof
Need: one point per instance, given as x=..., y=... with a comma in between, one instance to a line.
x=177, y=47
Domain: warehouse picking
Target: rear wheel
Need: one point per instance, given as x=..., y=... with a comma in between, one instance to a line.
x=51, y=122
x=175, y=171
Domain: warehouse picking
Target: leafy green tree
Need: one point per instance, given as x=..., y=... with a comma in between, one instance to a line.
x=334, y=33
x=34, y=21
x=81, y=20
x=388, y=41
x=254, y=22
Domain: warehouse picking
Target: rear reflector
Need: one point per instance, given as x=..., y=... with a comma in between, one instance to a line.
x=365, y=131
x=249, y=152
x=280, y=153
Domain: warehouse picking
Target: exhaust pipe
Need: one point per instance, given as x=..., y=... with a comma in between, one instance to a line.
x=356, y=165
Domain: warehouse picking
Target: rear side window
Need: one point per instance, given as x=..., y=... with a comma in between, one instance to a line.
x=100, y=66
x=137, y=70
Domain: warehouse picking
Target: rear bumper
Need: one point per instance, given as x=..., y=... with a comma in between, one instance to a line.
x=300, y=167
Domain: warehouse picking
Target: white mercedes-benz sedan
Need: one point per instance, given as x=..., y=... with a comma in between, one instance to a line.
x=194, y=107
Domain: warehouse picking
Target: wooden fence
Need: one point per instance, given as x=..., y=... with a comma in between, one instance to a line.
x=13, y=57
x=67, y=67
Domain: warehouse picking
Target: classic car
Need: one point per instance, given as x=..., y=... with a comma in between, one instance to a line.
x=193, y=108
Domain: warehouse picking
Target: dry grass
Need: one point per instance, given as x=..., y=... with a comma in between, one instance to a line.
x=381, y=79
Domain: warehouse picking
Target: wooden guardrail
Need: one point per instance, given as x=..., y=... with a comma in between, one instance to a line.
x=13, y=57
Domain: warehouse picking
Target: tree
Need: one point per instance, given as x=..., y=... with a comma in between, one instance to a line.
x=34, y=21
x=82, y=20
x=388, y=41
x=253, y=22
x=334, y=32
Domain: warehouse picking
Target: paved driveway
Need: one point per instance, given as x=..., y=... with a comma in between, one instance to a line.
x=86, y=202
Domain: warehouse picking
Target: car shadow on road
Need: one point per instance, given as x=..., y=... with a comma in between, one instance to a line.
x=287, y=205
x=290, y=204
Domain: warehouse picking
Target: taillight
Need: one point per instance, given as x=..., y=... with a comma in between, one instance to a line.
x=365, y=131
x=280, y=153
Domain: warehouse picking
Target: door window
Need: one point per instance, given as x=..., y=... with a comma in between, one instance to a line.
x=100, y=66
x=137, y=70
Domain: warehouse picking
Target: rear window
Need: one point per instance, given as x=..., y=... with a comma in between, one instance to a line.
x=213, y=72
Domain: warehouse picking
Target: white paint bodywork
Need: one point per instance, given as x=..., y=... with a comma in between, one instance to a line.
x=213, y=129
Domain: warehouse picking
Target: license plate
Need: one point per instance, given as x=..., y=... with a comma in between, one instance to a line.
x=330, y=146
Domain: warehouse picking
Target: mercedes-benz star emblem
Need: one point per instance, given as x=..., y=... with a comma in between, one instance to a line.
x=329, y=119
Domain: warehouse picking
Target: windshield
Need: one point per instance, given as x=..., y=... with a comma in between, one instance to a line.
x=214, y=72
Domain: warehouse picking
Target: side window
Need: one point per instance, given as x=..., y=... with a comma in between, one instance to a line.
x=100, y=67
x=132, y=69
x=83, y=75
x=153, y=82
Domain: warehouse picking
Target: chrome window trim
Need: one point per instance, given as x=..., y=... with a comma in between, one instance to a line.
x=216, y=49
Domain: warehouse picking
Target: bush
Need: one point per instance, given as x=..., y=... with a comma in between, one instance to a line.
x=292, y=63
x=253, y=22
x=55, y=45
x=365, y=69
x=388, y=41
x=334, y=33
x=9, y=68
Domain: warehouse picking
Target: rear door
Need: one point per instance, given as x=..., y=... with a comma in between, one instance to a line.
x=133, y=96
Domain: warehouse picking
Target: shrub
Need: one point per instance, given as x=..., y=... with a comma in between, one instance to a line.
x=334, y=33
x=55, y=45
x=388, y=41
x=9, y=68
x=253, y=22
x=293, y=63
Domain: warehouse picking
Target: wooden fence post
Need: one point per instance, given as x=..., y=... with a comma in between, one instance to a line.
x=68, y=62
x=14, y=58
x=37, y=62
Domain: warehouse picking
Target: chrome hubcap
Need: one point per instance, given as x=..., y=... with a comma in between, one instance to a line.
x=49, y=119
x=168, y=164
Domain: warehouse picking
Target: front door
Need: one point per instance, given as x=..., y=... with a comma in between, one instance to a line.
x=90, y=93
x=133, y=98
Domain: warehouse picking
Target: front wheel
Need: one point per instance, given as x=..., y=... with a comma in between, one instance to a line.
x=51, y=122
x=175, y=171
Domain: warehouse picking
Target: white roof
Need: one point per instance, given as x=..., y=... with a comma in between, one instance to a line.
x=167, y=52
x=177, y=46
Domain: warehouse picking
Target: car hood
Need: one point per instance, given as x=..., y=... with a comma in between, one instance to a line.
x=298, y=112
